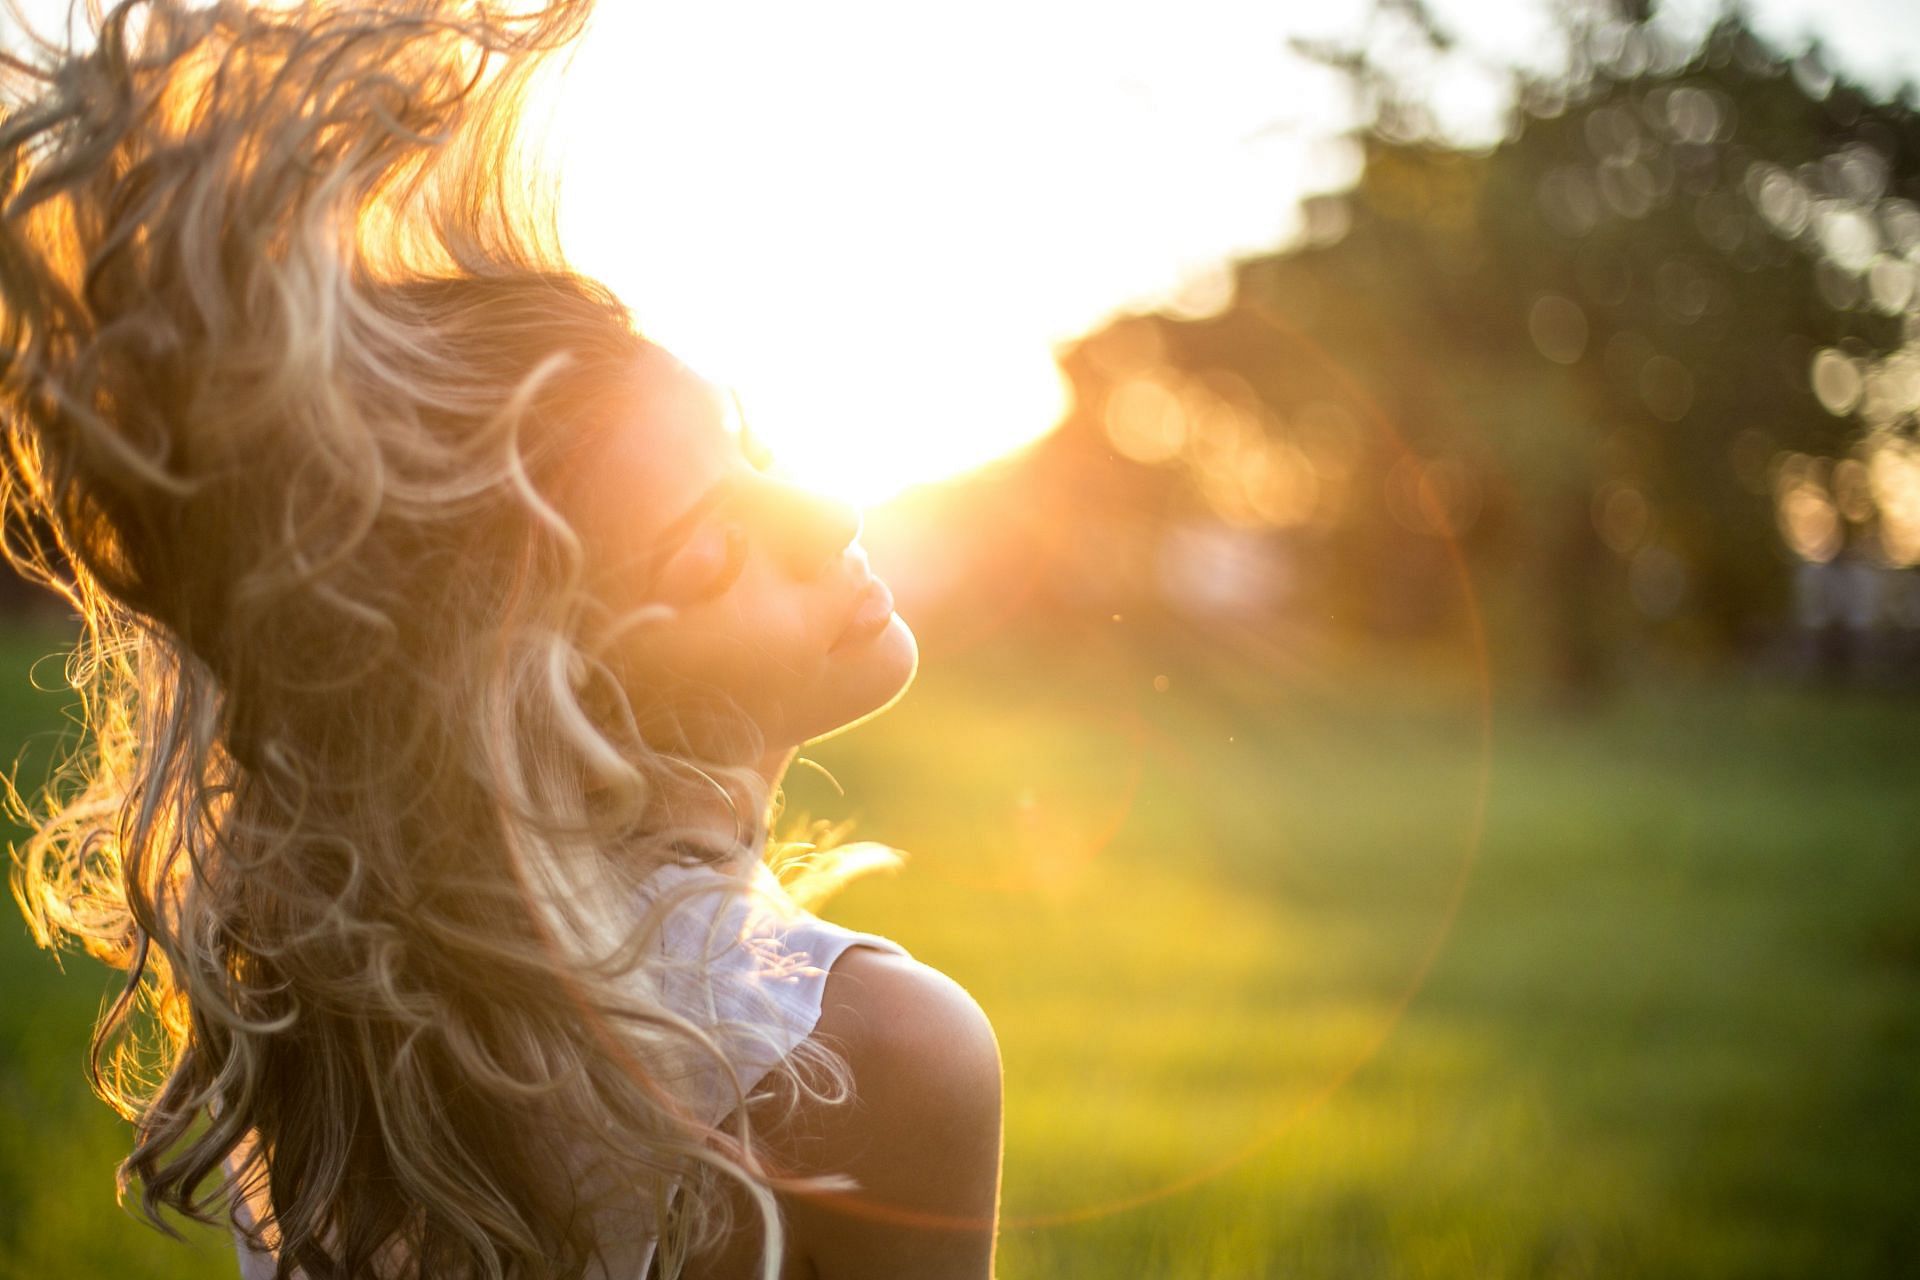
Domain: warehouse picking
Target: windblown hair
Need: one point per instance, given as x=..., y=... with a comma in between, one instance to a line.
x=290, y=373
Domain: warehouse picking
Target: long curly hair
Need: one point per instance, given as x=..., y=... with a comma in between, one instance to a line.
x=290, y=375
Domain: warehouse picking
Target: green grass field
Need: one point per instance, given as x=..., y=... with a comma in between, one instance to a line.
x=1271, y=1006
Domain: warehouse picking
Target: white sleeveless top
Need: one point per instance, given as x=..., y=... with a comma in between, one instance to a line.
x=766, y=970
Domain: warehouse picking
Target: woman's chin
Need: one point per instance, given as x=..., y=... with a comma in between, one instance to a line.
x=877, y=674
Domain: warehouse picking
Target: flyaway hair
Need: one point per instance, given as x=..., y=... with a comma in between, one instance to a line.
x=290, y=373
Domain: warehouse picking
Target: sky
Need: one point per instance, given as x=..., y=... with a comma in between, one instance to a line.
x=878, y=221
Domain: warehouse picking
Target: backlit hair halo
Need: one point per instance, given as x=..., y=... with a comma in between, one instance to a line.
x=288, y=364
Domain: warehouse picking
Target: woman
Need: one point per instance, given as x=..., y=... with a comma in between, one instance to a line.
x=443, y=649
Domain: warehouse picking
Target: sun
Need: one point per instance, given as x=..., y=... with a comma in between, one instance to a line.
x=862, y=385
x=878, y=222
x=852, y=405
x=868, y=356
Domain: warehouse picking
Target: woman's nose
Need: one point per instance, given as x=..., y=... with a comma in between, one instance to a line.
x=810, y=531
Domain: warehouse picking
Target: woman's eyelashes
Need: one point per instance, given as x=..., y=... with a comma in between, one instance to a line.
x=754, y=450
x=708, y=564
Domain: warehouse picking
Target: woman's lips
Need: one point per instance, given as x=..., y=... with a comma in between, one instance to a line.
x=872, y=609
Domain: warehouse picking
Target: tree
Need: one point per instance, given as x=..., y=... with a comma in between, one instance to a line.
x=1607, y=356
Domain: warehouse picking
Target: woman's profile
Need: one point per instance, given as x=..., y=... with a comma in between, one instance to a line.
x=443, y=645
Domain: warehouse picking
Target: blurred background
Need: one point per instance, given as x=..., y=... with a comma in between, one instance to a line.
x=1411, y=513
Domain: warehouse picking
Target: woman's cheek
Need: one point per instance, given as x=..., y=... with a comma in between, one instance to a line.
x=767, y=651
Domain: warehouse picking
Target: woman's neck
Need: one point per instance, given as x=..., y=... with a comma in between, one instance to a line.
x=699, y=808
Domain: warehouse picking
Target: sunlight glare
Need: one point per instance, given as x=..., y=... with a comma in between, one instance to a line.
x=878, y=227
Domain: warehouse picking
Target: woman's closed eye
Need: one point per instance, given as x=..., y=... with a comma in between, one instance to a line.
x=705, y=565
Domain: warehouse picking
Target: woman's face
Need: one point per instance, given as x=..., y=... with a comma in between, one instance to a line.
x=774, y=606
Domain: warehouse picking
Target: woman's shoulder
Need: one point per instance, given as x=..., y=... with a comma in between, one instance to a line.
x=916, y=1147
x=890, y=1017
x=886, y=1013
x=921, y=1139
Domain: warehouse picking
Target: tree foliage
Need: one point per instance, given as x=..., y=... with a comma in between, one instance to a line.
x=1636, y=360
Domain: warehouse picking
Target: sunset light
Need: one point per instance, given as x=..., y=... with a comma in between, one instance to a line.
x=879, y=227
x=1275, y=639
x=883, y=256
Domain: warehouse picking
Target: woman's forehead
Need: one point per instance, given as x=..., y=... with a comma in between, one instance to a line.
x=673, y=437
x=670, y=393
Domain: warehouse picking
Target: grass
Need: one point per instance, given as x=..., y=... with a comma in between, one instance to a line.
x=1271, y=1004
